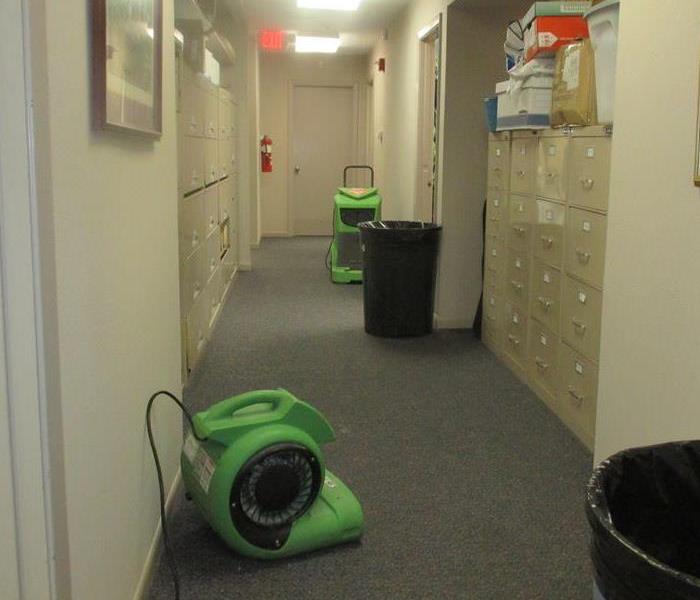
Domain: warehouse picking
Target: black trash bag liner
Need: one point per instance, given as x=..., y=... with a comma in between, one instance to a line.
x=643, y=506
x=399, y=272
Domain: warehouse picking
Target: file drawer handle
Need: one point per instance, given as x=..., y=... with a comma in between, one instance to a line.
x=587, y=183
x=541, y=364
x=519, y=230
x=580, y=327
x=517, y=285
x=584, y=257
x=521, y=173
x=491, y=318
x=551, y=176
x=497, y=170
x=578, y=398
x=513, y=340
x=545, y=302
x=494, y=219
x=547, y=242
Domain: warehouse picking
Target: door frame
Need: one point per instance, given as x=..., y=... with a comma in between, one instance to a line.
x=290, y=135
x=425, y=35
x=24, y=419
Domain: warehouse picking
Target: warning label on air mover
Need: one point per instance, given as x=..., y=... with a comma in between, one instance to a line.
x=202, y=463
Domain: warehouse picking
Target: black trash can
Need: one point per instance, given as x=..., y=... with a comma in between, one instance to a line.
x=398, y=275
x=643, y=506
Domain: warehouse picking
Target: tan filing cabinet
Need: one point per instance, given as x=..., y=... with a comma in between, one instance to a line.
x=523, y=162
x=521, y=222
x=545, y=301
x=207, y=191
x=543, y=360
x=544, y=263
x=577, y=392
x=589, y=161
x=548, y=233
x=497, y=213
x=552, y=165
x=585, y=253
x=495, y=251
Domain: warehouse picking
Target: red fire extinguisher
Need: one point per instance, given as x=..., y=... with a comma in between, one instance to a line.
x=266, y=154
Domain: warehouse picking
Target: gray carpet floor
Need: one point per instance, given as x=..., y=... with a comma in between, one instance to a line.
x=471, y=488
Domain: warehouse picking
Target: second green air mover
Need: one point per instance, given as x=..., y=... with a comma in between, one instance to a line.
x=256, y=472
x=351, y=206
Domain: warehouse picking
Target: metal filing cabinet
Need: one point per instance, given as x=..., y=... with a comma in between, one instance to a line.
x=495, y=248
x=206, y=203
x=544, y=263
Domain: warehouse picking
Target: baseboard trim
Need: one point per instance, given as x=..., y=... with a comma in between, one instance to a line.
x=455, y=323
x=149, y=566
x=245, y=267
x=276, y=234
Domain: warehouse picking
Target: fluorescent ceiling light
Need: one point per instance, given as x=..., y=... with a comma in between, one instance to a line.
x=325, y=45
x=329, y=4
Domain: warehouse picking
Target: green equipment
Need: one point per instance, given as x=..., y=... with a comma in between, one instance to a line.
x=351, y=206
x=253, y=465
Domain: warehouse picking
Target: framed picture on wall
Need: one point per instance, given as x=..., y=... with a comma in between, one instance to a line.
x=127, y=58
x=696, y=173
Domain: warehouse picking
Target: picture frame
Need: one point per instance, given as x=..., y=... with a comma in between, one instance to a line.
x=127, y=65
x=696, y=170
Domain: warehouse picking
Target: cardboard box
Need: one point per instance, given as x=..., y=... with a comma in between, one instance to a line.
x=574, y=91
x=560, y=8
x=525, y=100
x=547, y=34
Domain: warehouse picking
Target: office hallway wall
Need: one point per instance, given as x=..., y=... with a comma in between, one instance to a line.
x=471, y=488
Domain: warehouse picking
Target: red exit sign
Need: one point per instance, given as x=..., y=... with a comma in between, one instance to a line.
x=272, y=40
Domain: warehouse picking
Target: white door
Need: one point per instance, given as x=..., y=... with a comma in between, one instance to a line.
x=428, y=127
x=324, y=141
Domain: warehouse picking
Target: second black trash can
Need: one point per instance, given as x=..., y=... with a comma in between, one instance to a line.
x=399, y=271
x=643, y=506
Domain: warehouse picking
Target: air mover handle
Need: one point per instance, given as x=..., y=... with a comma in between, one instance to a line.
x=228, y=408
x=346, y=169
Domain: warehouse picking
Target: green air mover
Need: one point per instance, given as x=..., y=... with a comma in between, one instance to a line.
x=256, y=472
x=352, y=206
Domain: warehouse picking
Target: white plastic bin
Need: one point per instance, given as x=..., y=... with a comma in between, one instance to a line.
x=603, y=22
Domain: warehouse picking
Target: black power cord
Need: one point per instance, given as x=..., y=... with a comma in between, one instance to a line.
x=170, y=557
x=329, y=266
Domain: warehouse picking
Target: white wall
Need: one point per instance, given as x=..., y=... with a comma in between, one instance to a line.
x=472, y=63
x=396, y=107
x=253, y=149
x=276, y=73
x=649, y=378
x=114, y=221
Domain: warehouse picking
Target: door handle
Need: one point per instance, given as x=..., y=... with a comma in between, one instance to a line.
x=297, y=169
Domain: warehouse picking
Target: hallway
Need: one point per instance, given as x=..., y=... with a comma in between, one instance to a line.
x=470, y=487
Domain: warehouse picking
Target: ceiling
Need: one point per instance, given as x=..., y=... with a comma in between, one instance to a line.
x=358, y=30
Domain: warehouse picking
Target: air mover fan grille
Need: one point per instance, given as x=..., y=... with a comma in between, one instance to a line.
x=273, y=489
x=277, y=488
